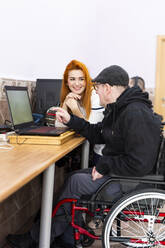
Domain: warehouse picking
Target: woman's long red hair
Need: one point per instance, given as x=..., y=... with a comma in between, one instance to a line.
x=86, y=97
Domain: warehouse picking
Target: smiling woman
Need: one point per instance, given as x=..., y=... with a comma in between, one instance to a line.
x=76, y=81
x=77, y=84
x=76, y=89
x=79, y=98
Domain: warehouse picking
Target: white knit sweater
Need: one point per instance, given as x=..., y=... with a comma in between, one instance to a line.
x=96, y=115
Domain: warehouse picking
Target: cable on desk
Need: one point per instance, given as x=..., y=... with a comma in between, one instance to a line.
x=6, y=146
x=20, y=143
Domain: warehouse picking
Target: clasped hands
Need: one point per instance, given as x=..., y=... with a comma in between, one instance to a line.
x=71, y=99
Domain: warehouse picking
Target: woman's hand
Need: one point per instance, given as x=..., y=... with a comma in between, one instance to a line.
x=71, y=101
x=72, y=105
x=62, y=115
x=73, y=96
x=95, y=174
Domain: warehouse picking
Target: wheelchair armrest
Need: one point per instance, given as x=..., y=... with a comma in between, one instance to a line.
x=150, y=177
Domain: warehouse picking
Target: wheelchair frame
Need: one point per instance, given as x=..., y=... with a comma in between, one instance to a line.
x=143, y=208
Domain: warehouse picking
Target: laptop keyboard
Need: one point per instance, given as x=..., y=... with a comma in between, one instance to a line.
x=44, y=130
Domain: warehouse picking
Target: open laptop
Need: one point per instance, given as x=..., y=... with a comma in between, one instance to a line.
x=21, y=114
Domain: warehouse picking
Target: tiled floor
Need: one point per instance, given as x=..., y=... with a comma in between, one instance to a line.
x=97, y=244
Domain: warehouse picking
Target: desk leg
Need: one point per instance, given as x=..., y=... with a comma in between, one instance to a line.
x=46, y=206
x=85, y=155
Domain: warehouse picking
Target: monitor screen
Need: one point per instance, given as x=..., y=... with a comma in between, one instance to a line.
x=19, y=106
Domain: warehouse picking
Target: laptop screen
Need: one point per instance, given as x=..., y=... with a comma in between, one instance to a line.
x=19, y=105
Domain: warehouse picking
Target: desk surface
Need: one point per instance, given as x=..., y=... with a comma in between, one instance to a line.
x=24, y=162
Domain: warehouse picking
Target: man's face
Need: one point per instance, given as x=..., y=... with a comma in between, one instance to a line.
x=101, y=91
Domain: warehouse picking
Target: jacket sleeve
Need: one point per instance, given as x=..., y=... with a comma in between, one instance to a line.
x=93, y=132
x=141, y=135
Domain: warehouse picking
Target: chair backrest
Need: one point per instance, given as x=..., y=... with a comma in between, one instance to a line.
x=47, y=94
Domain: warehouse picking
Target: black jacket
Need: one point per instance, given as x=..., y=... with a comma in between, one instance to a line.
x=131, y=134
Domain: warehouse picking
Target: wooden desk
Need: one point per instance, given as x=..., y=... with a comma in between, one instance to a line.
x=23, y=163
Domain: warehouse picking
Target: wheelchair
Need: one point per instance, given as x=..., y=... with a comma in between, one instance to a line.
x=134, y=218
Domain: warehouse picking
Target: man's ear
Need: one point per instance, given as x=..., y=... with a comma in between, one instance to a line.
x=108, y=88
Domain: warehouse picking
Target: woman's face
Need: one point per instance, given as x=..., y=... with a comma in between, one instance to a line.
x=76, y=81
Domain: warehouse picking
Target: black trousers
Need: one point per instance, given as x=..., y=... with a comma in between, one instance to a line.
x=78, y=183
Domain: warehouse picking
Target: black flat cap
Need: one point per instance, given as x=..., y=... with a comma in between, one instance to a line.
x=113, y=75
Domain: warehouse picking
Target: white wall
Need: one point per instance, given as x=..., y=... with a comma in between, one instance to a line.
x=39, y=37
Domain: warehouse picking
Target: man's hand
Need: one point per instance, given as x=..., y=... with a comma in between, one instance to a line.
x=62, y=115
x=95, y=174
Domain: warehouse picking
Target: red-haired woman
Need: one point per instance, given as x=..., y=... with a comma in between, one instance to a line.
x=79, y=98
x=76, y=89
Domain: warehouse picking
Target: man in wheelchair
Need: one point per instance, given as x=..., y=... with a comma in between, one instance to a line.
x=131, y=133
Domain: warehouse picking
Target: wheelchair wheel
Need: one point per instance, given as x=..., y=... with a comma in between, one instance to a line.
x=136, y=220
